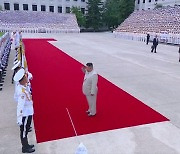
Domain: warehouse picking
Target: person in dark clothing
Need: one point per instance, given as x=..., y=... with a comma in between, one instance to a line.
x=147, y=39
x=155, y=44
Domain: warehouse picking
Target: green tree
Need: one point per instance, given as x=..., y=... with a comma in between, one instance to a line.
x=126, y=8
x=79, y=15
x=111, y=13
x=116, y=11
x=94, y=14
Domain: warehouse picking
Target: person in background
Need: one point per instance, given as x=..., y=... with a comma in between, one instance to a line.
x=147, y=38
x=155, y=44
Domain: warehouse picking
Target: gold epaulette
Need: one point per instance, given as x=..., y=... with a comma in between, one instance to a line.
x=23, y=90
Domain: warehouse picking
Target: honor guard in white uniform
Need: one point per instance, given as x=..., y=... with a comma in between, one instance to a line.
x=17, y=40
x=90, y=88
x=25, y=109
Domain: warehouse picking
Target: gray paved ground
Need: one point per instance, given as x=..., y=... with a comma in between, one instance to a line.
x=152, y=78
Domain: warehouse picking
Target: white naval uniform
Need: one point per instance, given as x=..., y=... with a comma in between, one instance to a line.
x=90, y=87
x=16, y=83
x=25, y=103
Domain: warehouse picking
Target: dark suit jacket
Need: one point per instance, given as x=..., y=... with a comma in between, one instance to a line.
x=155, y=41
x=148, y=36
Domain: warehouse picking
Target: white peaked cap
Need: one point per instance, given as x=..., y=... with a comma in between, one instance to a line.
x=16, y=65
x=19, y=75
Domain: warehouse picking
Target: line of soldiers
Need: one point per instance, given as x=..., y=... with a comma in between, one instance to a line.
x=5, y=48
x=23, y=94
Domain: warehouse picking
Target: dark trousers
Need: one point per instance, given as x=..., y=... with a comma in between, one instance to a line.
x=13, y=76
x=154, y=48
x=147, y=41
x=24, y=128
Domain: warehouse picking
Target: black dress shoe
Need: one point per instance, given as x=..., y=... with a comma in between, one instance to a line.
x=87, y=112
x=30, y=146
x=27, y=150
x=30, y=129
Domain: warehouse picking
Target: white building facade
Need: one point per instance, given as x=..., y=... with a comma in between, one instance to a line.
x=57, y=6
x=151, y=4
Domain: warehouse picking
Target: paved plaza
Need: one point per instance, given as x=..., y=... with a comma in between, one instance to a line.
x=153, y=78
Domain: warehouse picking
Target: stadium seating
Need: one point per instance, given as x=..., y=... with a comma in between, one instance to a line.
x=164, y=22
x=38, y=22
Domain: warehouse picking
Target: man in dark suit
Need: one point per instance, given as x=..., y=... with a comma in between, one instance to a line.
x=155, y=44
x=147, y=39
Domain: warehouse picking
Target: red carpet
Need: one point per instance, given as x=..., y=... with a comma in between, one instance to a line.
x=56, y=85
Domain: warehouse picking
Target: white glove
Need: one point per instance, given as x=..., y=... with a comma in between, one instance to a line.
x=19, y=120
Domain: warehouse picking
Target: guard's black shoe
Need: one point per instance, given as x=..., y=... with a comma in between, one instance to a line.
x=31, y=146
x=30, y=129
x=27, y=150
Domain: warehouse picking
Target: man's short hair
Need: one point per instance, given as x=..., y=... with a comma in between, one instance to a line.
x=89, y=64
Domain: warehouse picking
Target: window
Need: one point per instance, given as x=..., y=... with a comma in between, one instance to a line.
x=6, y=6
x=25, y=7
x=51, y=8
x=34, y=7
x=138, y=1
x=143, y=1
x=59, y=9
x=82, y=0
x=83, y=10
x=67, y=9
x=43, y=8
x=16, y=6
x=149, y=1
x=75, y=0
